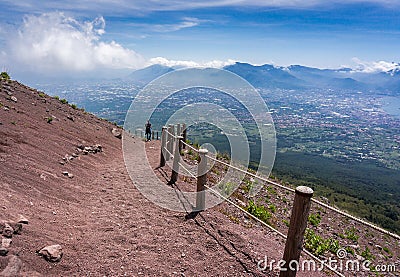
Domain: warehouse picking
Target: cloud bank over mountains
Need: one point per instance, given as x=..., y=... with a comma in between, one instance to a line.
x=372, y=67
x=56, y=43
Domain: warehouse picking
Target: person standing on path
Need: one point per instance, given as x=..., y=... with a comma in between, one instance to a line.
x=148, y=130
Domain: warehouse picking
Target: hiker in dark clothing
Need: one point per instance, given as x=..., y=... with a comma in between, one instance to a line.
x=148, y=130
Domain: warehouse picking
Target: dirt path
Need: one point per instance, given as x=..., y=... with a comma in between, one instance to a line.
x=104, y=224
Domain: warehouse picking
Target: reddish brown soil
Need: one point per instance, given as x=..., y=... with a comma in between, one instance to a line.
x=105, y=226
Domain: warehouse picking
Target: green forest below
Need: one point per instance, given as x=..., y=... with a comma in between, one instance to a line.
x=362, y=188
x=365, y=189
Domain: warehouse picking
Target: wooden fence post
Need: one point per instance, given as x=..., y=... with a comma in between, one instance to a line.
x=178, y=129
x=201, y=180
x=297, y=228
x=180, y=144
x=163, y=145
x=175, y=165
x=169, y=143
x=184, y=134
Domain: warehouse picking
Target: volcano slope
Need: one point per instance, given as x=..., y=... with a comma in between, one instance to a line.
x=84, y=200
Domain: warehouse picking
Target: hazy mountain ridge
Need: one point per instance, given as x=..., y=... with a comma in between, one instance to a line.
x=292, y=77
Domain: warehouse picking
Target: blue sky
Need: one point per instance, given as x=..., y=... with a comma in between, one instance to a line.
x=58, y=37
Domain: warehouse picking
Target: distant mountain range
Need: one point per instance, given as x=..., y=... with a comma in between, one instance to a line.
x=292, y=77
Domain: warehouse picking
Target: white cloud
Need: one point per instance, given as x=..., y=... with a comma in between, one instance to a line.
x=56, y=42
x=177, y=63
x=377, y=66
x=186, y=22
x=140, y=6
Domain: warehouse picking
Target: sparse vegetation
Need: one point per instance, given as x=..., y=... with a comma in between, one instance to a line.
x=215, y=170
x=231, y=217
x=272, y=208
x=222, y=156
x=195, y=157
x=227, y=188
x=271, y=190
x=386, y=249
x=64, y=101
x=286, y=222
x=350, y=234
x=248, y=185
x=5, y=76
x=259, y=211
x=56, y=97
x=350, y=250
x=41, y=94
x=319, y=246
x=314, y=219
x=366, y=254
x=13, y=123
x=49, y=119
x=74, y=106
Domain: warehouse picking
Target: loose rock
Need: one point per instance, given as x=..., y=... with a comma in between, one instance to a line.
x=52, y=253
x=116, y=133
x=5, y=243
x=8, y=231
x=22, y=219
x=13, y=98
x=17, y=227
x=3, y=252
x=69, y=175
x=13, y=267
x=2, y=225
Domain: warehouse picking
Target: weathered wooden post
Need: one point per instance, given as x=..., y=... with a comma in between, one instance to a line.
x=180, y=144
x=169, y=143
x=297, y=228
x=163, y=145
x=184, y=134
x=152, y=135
x=175, y=165
x=157, y=136
x=201, y=180
x=178, y=129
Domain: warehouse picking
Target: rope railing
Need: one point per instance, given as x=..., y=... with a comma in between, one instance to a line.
x=191, y=147
x=216, y=193
x=302, y=201
x=251, y=174
x=172, y=135
x=377, y=228
x=165, y=149
x=352, y=217
x=188, y=171
x=359, y=220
